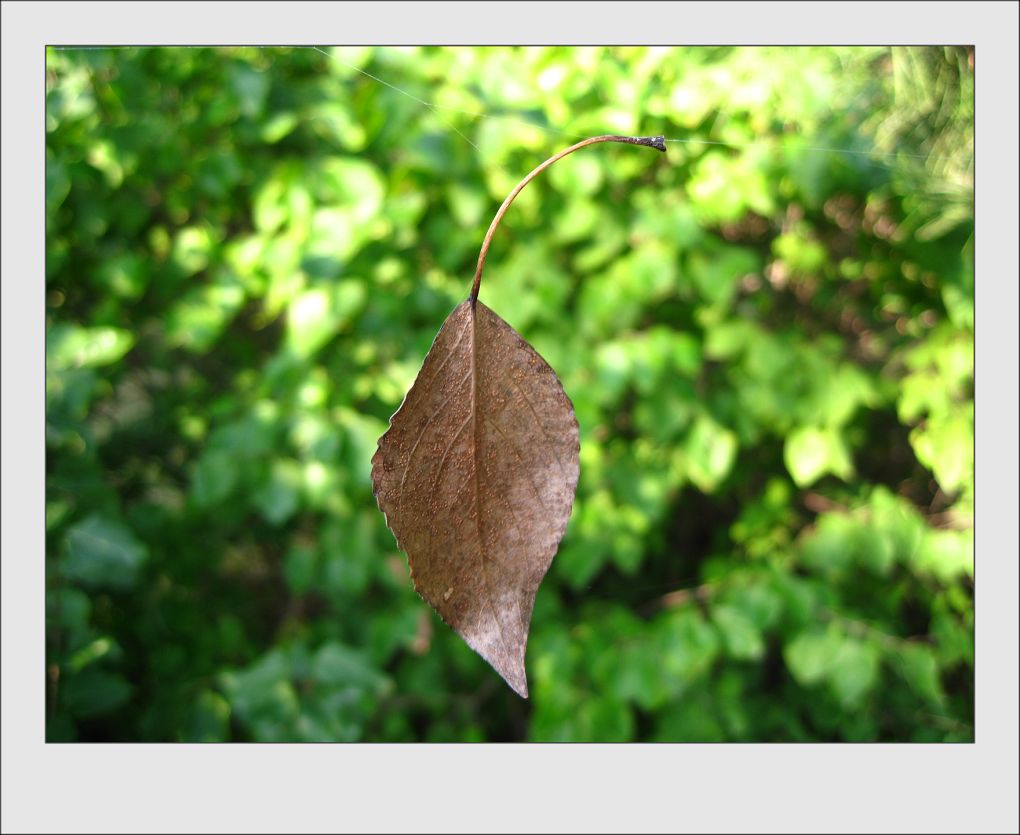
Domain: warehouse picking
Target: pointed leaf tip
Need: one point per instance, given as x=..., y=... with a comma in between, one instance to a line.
x=476, y=475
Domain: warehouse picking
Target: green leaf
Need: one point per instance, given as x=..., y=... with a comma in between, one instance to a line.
x=690, y=646
x=946, y=446
x=849, y=665
x=215, y=477
x=198, y=319
x=192, y=249
x=605, y=720
x=280, y=498
x=577, y=562
x=279, y=126
x=340, y=666
x=799, y=251
x=810, y=656
x=100, y=551
x=918, y=666
x=317, y=315
x=854, y=672
x=300, y=566
x=70, y=346
x=716, y=274
x=722, y=187
x=95, y=651
x=262, y=695
x=946, y=555
x=742, y=639
x=125, y=276
x=830, y=548
x=810, y=453
x=94, y=692
x=583, y=177
x=711, y=450
x=875, y=549
x=209, y=720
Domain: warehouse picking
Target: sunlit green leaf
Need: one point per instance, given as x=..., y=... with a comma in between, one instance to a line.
x=69, y=346
x=711, y=451
x=810, y=453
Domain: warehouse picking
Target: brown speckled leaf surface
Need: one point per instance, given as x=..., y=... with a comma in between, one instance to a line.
x=476, y=476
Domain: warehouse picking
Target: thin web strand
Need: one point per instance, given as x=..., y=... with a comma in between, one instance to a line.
x=766, y=143
x=687, y=141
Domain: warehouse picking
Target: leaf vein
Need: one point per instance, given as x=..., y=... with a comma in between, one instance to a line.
x=541, y=427
x=410, y=457
x=486, y=582
x=513, y=449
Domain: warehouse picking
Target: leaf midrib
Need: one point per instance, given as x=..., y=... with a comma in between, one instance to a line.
x=474, y=474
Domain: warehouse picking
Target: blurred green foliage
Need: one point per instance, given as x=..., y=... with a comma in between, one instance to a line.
x=767, y=335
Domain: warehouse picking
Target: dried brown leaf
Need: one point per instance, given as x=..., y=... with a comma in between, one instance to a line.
x=476, y=476
x=477, y=472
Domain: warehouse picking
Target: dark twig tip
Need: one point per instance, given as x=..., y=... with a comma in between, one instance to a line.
x=657, y=142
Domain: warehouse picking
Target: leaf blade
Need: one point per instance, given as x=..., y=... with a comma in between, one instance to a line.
x=478, y=485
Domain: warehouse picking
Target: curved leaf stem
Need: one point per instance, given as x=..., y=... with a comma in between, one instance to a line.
x=657, y=142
